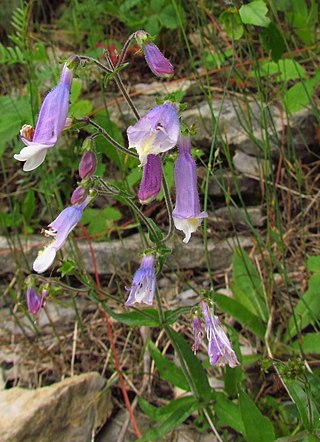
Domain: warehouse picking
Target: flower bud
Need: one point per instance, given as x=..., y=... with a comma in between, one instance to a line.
x=88, y=164
x=151, y=180
x=78, y=196
x=157, y=62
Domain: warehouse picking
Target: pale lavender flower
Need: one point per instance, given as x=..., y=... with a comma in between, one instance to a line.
x=78, y=195
x=156, y=132
x=34, y=301
x=151, y=179
x=51, y=121
x=88, y=164
x=59, y=229
x=219, y=348
x=186, y=214
x=144, y=283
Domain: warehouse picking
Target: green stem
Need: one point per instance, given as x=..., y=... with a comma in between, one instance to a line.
x=168, y=201
x=123, y=52
x=98, y=63
x=108, y=137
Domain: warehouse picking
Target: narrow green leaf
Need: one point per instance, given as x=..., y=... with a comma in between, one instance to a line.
x=258, y=428
x=195, y=369
x=167, y=369
x=148, y=317
x=228, y=413
x=29, y=206
x=308, y=308
x=161, y=413
x=309, y=414
x=247, y=286
x=171, y=316
x=243, y=315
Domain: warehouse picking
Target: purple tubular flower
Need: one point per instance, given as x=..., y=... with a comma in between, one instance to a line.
x=197, y=332
x=59, y=229
x=151, y=180
x=144, y=283
x=79, y=195
x=50, y=123
x=88, y=164
x=186, y=214
x=156, y=132
x=219, y=348
x=34, y=302
x=157, y=62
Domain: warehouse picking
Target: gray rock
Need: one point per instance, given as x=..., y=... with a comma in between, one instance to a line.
x=115, y=255
x=70, y=411
x=223, y=182
x=238, y=215
x=250, y=166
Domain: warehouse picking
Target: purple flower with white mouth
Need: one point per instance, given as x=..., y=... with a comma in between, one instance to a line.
x=51, y=121
x=219, y=348
x=186, y=214
x=144, y=283
x=151, y=179
x=59, y=229
x=34, y=302
x=158, y=131
x=157, y=62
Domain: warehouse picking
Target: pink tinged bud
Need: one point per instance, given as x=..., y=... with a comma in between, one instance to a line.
x=220, y=351
x=88, y=164
x=34, y=302
x=157, y=62
x=50, y=123
x=143, y=284
x=59, y=230
x=79, y=195
x=158, y=131
x=151, y=179
x=186, y=214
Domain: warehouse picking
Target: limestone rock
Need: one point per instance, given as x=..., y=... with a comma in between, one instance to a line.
x=249, y=165
x=70, y=411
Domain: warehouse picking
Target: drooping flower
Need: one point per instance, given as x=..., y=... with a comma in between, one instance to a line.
x=151, y=179
x=157, y=62
x=59, y=229
x=186, y=214
x=197, y=333
x=219, y=348
x=156, y=132
x=34, y=301
x=144, y=283
x=51, y=121
x=88, y=164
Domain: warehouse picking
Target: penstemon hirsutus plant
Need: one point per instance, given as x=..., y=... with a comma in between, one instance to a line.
x=155, y=133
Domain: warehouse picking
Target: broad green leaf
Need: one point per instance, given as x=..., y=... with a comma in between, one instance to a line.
x=232, y=23
x=195, y=369
x=258, y=428
x=29, y=206
x=147, y=316
x=134, y=176
x=273, y=41
x=241, y=313
x=247, y=286
x=254, y=13
x=75, y=90
x=310, y=343
x=299, y=95
x=167, y=369
x=80, y=108
x=172, y=422
x=161, y=413
x=111, y=214
x=308, y=308
x=228, y=413
x=313, y=264
x=283, y=70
